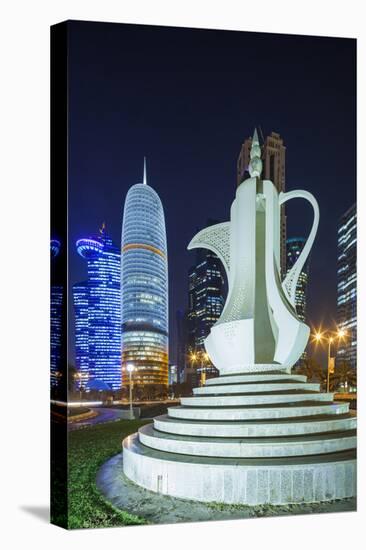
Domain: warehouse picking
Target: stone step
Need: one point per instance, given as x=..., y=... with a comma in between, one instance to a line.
x=247, y=447
x=254, y=369
x=255, y=388
x=251, y=481
x=259, y=399
x=245, y=378
x=256, y=428
x=258, y=412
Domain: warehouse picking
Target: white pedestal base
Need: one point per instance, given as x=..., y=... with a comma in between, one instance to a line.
x=275, y=440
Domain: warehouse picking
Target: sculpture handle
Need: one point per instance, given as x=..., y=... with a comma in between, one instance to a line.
x=290, y=281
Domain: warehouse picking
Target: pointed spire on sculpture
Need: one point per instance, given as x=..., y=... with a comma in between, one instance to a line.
x=255, y=165
x=145, y=178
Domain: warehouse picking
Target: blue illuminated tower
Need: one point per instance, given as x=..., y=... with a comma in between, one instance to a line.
x=81, y=307
x=347, y=286
x=98, y=312
x=144, y=287
x=56, y=300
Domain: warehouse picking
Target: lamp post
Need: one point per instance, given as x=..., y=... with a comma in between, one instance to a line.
x=130, y=369
x=204, y=360
x=329, y=338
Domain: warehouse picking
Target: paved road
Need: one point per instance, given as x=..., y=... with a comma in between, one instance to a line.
x=103, y=415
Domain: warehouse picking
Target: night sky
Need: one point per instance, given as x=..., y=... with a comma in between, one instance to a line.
x=187, y=99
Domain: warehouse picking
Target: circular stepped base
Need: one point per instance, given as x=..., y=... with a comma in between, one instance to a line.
x=249, y=439
x=254, y=428
x=254, y=387
x=258, y=412
x=246, y=378
x=241, y=481
x=159, y=508
x=257, y=399
x=247, y=447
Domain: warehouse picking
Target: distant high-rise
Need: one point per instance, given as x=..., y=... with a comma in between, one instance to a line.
x=144, y=281
x=206, y=301
x=347, y=286
x=57, y=303
x=294, y=249
x=98, y=312
x=274, y=169
x=173, y=375
x=182, y=333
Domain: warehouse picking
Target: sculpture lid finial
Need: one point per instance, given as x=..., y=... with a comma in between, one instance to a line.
x=144, y=181
x=255, y=165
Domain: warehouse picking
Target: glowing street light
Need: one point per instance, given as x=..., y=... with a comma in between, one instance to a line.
x=204, y=358
x=130, y=368
x=329, y=338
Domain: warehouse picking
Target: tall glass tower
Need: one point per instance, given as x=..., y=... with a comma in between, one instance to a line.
x=57, y=304
x=347, y=286
x=98, y=312
x=144, y=287
x=206, y=300
x=294, y=248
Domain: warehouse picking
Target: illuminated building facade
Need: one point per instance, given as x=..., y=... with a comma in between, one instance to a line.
x=294, y=249
x=274, y=169
x=181, y=350
x=347, y=286
x=144, y=287
x=206, y=299
x=173, y=375
x=56, y=301
x=81, y=308
x=98, y=312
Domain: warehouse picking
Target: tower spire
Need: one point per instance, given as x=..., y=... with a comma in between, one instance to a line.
x=145, y=178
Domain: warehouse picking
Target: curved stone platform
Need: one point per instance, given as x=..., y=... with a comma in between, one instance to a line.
x=159, y=508
x=249, y=439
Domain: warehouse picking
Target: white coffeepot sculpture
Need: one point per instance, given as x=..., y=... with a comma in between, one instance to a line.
x=258, y=329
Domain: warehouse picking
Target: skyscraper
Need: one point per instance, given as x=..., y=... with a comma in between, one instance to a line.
x=98, y=312
x=347, y=286
x=144, y=287
x=274, y=169
x=294, y=249
x=57, y=302
x=206, y=299
x=81, y=308
x=181, y=331
x=173, y=375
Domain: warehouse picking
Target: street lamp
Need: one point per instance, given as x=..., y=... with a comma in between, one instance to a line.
x=130, y=369
x=204, y=360
x=329, y=337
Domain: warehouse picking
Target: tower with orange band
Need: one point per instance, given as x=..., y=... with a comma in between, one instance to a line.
x=144, y=287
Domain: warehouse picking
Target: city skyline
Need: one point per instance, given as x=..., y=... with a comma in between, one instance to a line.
x=191, y=125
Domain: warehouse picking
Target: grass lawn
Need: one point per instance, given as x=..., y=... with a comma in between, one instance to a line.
x=88, y=449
